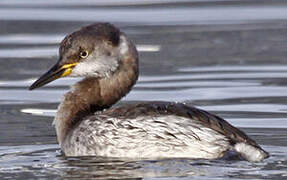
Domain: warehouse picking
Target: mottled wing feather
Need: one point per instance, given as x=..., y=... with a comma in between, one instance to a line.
x=131, y=130
x=169, y=108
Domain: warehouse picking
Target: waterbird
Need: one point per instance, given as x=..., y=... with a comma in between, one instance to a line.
x=87, y=123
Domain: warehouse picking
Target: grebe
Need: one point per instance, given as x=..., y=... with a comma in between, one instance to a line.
x=87, y=125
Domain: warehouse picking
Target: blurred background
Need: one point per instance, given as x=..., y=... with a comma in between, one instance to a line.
x=224, y=56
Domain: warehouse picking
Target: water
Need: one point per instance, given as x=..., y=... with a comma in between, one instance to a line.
x=227, y=57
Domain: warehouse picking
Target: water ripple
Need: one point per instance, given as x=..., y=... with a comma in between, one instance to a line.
x=183, y=15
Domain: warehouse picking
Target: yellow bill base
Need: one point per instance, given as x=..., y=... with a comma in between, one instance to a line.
x=68, y=68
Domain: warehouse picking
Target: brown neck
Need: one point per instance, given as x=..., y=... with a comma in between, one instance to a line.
x=93, y=94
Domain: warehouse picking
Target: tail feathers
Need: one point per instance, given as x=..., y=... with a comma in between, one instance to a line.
x=250, y=152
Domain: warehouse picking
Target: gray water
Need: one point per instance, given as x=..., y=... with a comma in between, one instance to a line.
x=224, y=56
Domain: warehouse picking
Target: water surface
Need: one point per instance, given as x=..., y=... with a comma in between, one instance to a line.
x=227, y=57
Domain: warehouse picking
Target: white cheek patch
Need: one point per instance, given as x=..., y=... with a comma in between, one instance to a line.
x=124, y=45
x=101, y=66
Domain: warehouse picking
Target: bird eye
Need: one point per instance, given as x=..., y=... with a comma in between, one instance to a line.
x=84, y=54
